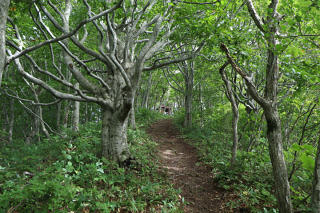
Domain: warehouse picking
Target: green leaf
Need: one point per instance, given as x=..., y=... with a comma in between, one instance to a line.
x=295, y=147
x=307, y=162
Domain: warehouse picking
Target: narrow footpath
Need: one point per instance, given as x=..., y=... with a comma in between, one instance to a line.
x=186, y=172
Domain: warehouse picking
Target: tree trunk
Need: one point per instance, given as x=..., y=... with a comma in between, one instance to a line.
x=269, y=105
x=147, y=92
x=277, y=159
x=274, y=133
x=43, y=126
x=66, y=114
x=11, y=122
x=4, y=7
x=235, y=120
x=188, y=96
x=37, y=124
x=76, y=113
x=58, y=115
x=315, y=198
x=39, y=114
x=133, y=117
x=201, y=106
x=188, y=107
x=235, y=112
x=86, y=113
x=114, y=136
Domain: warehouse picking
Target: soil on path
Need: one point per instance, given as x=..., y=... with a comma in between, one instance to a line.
x=186, y=172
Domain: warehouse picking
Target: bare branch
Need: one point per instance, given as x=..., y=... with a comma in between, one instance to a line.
x=20, y=100
x=31, y=101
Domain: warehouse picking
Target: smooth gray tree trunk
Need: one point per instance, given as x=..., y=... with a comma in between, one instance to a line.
x=235, y=120
x=39, y=115
x=147, y=92
x=235, y=113
x=188, y=96
x=133, y=117
x=4, y=7
x=76, y=113
x=114, y=136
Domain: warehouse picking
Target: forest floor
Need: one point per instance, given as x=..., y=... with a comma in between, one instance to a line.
x=186, y=172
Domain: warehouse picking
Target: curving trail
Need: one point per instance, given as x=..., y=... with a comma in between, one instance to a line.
x=186, y=172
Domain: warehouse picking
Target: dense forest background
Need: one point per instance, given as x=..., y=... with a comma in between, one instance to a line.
x=81, y=81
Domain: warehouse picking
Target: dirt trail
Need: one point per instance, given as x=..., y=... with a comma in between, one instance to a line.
x=186, y=172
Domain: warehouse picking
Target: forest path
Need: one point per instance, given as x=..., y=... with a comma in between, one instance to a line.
x=186, y=172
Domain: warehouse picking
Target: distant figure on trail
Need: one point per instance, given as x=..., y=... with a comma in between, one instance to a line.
x=165, y=110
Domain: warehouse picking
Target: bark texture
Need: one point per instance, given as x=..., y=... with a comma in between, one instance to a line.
x=188, y=71
x=279, y=167
x=114, y=136
x=147, y=92
x=4, y=7
x=76, y=114
x=133, y=117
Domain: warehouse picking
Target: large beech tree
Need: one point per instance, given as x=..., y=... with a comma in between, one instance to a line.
x=128, y=34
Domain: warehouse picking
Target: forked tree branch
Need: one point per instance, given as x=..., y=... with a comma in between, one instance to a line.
x=66, y=35
x=251, y=87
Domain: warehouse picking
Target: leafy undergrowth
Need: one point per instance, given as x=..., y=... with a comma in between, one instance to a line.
x=144, y=117
x=63, y=174
x=251, y=178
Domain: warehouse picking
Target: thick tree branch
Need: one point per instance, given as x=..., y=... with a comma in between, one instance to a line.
x=251, y=87
x=254, y=15
x=199, y=3
x=178, y=88
x=66, y=35
x=55, y=92
x=157, y=65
